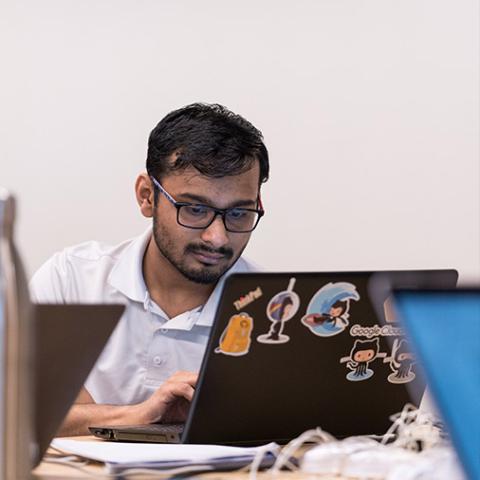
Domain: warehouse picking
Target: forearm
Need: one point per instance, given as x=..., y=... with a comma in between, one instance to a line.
x=169, y=403
x=84, y=415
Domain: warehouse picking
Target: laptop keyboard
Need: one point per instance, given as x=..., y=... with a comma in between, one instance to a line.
x=165, y=428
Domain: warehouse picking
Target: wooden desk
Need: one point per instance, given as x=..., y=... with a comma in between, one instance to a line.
x=57, y=472
x=52, y=471
x=61, y=472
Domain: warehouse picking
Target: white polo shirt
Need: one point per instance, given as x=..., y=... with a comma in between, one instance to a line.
x=147, y=347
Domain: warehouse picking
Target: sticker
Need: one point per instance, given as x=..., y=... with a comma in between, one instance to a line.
x=327, y=313
x=281, y=308
x=250, y=297
x=389, y=310
x=375, y=331
x=362, y=354
x=235, y=339
x=401, y=362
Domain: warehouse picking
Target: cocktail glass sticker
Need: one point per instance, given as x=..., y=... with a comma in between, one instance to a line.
x=401, y=362
x=281, y=308
x=362, y=354
x=235, y=339
x=327, y=313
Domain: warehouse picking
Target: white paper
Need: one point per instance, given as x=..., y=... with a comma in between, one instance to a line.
x=136, y=453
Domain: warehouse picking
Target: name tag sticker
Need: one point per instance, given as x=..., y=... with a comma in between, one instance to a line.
x=247, y=299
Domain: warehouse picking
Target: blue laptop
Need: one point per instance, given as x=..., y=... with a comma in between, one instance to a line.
x=444, y=329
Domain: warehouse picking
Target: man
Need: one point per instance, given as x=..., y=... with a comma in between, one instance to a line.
x=205, y=166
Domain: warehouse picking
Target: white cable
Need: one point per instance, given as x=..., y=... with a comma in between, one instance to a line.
x=412, y=449
x=316, y=435
x=257, y=460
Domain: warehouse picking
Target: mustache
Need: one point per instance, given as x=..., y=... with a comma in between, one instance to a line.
x=225, y=251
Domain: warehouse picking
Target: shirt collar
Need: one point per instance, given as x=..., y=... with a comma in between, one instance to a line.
x=204, y=315
x=207, y=313
x=127, y=274
x=127, y=277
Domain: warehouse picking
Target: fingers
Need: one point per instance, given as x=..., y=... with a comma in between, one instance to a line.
x=184, y=377
x=177, y=389
x=180, y=384
x=169, y=399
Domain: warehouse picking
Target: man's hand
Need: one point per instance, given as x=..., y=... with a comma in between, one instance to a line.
x=170, y=403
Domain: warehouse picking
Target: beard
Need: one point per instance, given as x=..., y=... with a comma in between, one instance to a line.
x=206, y=274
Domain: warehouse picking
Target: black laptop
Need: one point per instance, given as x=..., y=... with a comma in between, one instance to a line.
x=292, y=351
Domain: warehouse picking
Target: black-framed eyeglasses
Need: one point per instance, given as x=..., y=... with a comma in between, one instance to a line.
x=198, y=216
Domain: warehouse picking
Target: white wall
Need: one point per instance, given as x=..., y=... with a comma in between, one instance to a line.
x=370, y=110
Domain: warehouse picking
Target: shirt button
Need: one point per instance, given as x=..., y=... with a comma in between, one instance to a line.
x=164, y=330
x=157, y=360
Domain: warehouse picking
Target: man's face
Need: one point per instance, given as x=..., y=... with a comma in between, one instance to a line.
x=203, y=256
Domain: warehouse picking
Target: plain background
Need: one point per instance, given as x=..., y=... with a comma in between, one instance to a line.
x=370, y=111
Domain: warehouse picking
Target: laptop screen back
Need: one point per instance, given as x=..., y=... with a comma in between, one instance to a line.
x=68, y=340
x=288, y=351
x=444, y=328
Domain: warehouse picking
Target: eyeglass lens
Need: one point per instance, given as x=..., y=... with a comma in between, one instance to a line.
x=200, y=216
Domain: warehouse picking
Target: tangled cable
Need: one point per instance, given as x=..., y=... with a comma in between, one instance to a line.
x=414, y=447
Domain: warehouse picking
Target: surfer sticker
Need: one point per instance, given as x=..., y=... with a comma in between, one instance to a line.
x=281, y=308
x=327, y=313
